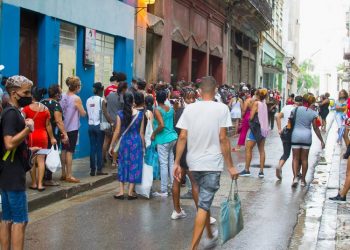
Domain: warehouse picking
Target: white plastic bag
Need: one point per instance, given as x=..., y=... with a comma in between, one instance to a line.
x=149, y=130
x=144, y=189
x=53, y=161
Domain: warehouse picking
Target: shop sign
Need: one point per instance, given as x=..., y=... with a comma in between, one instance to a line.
x=90, y=46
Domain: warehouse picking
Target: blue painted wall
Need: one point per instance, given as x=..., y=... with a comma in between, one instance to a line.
x=48, y=51
x=9, y=39
x=124, y=56
x=87, y=76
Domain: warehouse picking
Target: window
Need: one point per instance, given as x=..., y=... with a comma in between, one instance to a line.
x=104, y=58
x=67, y=53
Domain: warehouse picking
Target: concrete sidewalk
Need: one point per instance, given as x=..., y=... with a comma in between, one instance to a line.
x=324, y=224
x=81, y=170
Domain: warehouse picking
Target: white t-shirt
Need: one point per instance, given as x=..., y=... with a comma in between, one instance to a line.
x=286, y=111
x=203, y=121
x=93, y=106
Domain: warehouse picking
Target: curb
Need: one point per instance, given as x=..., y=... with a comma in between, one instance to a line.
x=69, y=192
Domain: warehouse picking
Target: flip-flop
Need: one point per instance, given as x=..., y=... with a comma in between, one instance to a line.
x=41, y=189
x=33, y=188
x=236, y=150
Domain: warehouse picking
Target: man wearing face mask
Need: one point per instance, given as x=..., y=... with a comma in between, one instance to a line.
x=272, y=109
x=15, y=162
x=56, y=120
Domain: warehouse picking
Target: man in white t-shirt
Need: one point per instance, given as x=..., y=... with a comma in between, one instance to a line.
x=282, y=121
x=203, y=126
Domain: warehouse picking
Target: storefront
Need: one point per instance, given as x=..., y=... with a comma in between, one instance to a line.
x=47, y=41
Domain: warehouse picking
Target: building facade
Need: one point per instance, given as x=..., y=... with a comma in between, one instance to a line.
x=271, y=51
x=290, y=42
x=50, y=40
x=185, y=40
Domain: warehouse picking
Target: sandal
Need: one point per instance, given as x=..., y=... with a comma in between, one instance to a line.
x=119, y=197
x=41, y=189
x=72, y=180
x=131, y=197
x=63, y=178
x=33, y=188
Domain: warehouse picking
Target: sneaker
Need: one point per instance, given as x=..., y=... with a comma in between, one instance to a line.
x=188, y=195
x=212, y=220
x=92, y=173
x=303, y=184
x=295, y=183
x=279, y=173
x=299, y=175
x=261, y=175
x=211, y=243
x=156, y=194
x=338, y=198
x=244, y=173
x=175, y=215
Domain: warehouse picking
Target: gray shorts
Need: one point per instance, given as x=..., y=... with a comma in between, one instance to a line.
x=208, y=183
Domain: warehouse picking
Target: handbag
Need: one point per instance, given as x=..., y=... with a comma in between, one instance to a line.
x=255, y=128
x=152, y=159
x=116, y=148
x=287, y=131
x=104, y=124
x=230, y=216
x=53, y=161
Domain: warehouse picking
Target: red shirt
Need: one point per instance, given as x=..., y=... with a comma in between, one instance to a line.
x=109, y=89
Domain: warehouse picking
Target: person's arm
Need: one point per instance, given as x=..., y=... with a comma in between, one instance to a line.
x=80, y=107
x=142, y=132
x=60, y=125
x=279, y=116
x=160, y=121
x=317, y=132
x=50, y=132
x=116, y=135
x=254, y=110
x=105, y=113
x=226, y=151
x=180, y=148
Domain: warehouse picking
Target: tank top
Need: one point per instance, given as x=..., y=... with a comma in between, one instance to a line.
x=168, y=133
x=70, y=113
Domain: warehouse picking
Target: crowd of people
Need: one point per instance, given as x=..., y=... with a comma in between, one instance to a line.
x=186, y=125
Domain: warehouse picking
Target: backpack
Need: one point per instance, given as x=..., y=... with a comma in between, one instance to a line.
x=9, y=155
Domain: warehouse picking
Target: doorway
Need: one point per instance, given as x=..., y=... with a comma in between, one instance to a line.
x=28, y=59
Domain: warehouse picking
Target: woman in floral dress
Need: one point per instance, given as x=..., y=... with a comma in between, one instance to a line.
x=131, y=146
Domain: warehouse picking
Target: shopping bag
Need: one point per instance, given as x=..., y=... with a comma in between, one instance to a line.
x=151, y=158
x=230, y=217
x=53, y=161
x=144, y=189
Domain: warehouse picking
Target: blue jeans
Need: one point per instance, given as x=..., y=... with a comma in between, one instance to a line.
x=14, y=206
x=96, y=143
x=166, y=162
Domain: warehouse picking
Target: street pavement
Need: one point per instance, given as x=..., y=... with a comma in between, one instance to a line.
x=94, y=220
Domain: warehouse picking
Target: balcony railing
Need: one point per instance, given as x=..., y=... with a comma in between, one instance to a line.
x=264, y=8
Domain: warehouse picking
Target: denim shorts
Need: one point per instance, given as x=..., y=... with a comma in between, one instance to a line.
x=251, y=136
x=14, y=206
x=208, y=183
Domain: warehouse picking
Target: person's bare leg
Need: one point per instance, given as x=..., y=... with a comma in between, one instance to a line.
x=176, y=193
x=64, y=163
x=33, y=174
x=69, y=162
x=131, y=189
x=41, y=170
x=199, y=224
x=5, y=234
x=296, y=160
x=249, y=154
x=208, y=226
x=106, y=144
x=261, y=147
x=121, y=189
x=17, y=236
x=346, y=186
x=304, y=163
x=195, y=188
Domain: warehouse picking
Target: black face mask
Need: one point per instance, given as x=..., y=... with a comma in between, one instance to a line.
x=24, y=100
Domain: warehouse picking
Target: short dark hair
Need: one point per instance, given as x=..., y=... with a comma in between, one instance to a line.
x=161, y=96
x=38, y=93
x=139, y=98
x=141, y=84
x=54, y=90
